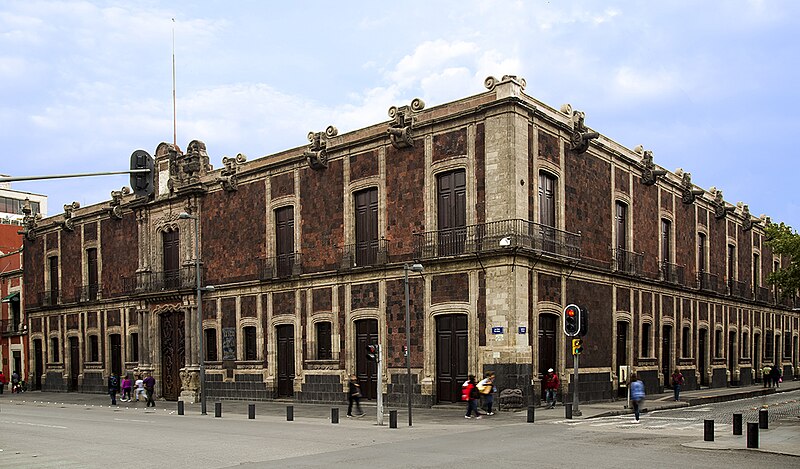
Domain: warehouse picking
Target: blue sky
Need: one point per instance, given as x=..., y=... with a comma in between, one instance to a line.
x=710, y=87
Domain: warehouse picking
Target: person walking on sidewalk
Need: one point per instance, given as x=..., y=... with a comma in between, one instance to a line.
x=487, y=390
x=677, y=383
x=766, y=376
x=113, y=387
x=637, y=396
x=354, y=396
x=2, y=381
x=776, y=376
x=150, y=389
x=551, y=384
x=140, y=388
x=469, y=393
x=126, y=389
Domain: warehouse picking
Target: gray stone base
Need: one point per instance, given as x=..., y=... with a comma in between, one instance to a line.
x=397, y=395
x=594, y=387
x=54, y=382
x=94, y=382
x=719, y=378
x=650, y=379
x=745, y=377
x=512, y=376
x=245, y=387
x=322, y=389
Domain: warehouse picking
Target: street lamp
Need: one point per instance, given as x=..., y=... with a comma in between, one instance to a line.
x=406, y=268
x=200, y=289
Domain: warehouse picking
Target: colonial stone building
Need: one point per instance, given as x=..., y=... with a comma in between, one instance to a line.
x=514, y=208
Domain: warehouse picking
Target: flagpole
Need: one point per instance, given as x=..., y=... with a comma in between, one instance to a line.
x=174, y=113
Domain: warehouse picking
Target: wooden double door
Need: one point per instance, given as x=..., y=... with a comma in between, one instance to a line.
x=285, y=360
x=452, y=347
x=173, y=353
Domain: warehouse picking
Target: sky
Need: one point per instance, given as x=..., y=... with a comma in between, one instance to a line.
x=712, y=87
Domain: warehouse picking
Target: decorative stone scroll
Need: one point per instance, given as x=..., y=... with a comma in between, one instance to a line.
x=400, y=130
x=68, y=222
x=650, y=173
x=491, y=82
x=317, y=152
x=228, y=173
x=581, y=137
x=688, y=192
x=29, y=221
x=721, y=210
x=115, y=208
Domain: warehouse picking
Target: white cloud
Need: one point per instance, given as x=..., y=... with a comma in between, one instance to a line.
x=643, y=82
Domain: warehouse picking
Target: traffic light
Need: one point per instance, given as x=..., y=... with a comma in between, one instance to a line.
x=142, y=183
x=572, y=320
x=584, y=322
x=577, y=346
x=373, y=353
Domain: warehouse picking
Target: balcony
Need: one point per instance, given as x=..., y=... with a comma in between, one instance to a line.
x=88, y=293
x=762, y=294
x=707, y=281
x=628, y=262
x=672, y=273
x=498, y=236
x=48, y=298
x=9, y=327
x=153, y=282
x=739, y=289
x=364, y=254
x=282, y=266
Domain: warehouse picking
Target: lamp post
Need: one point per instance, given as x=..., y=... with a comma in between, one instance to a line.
x=200, y=351
x=406, y=268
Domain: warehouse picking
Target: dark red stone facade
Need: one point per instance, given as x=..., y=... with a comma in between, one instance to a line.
x=321, y=300
x=404, y=200
x=247, y=306
x=549, y=147
x=450, y=144
x=549, y=288
x=281, y=185
x=396, y=321
x=283, y=303
x=364, y=295
x=450, y=287
x=321, y=222
x=71, y=263
x=587, y=189
x=363, y=165
x=120, y=259
x=596, y=297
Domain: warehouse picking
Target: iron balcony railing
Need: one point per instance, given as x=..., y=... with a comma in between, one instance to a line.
x=497, y=236
x=10, y=327
x=169, y=280
x=672, y=273
x=87, y=293
x=628, y=262
x=738, y=289
x=282, y=266
x=48, y=297
x=707, y=281
x=375, y=252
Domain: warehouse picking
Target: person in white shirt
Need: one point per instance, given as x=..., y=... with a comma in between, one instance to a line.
x=139, y=387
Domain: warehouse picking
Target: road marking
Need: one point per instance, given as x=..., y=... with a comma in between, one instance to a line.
x=34, y=424
x=134, y=420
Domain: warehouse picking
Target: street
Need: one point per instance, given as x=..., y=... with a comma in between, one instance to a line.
x=53, y=434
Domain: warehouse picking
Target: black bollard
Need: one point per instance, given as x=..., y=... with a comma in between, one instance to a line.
x=289, y=413
x=180, y=407
x=530, y=414
x=568, y=411
x=251, y=411
x=392, y=419
x=763, y=419
x=218, y=409
x=708, y=430
x=737, y=424
x=334, y=415
x=752, y=435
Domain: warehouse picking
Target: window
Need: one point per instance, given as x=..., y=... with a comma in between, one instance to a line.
x=776, y=266
x=366, y=211
x=171, y=264
x=9, y=205
x=451, y=217
x=769, y=346
x=756, y=270
x=324, y=341
x=686, y=342
x=787, y=344
x=16, y=314
x=53, y=264
x=54, y=349
x=666, y=240
x=621, y=237
x=284, y=241
x=94, y=349
x=645, y=352
x=211, y=345
x=134, y=347
x=745, y=345
x=731, y=263
x=91, y=273
x=250, y=343
x=718, y=345
x=702, y=245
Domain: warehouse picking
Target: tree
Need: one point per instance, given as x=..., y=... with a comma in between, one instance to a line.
x=786, y=241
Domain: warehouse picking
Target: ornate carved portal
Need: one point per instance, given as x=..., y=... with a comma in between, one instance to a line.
x=173, y=353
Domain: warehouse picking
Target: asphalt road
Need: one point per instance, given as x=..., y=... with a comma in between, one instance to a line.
x=53, y=435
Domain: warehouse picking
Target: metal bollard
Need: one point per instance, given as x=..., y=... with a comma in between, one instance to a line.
x=218, y=409
x=708, y=430
x=530, y=414
x=180, y=407
x=392, y=419
x=289, y=413
x=568, y=411
x=334, y=415
x=251, y=411
x=752, y=435
x=737, y=424
x=763, y=419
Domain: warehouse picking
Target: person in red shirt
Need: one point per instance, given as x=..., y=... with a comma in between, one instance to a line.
x=551, y=384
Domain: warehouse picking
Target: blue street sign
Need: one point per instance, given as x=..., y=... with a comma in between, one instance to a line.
x=523, y=330
x=497, y=330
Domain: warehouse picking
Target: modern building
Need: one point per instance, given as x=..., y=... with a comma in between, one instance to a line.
x=13, y=324
x=515, y=209
x=12, y=203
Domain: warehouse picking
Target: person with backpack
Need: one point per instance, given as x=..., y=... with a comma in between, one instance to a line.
x=469, y=393
x=113, y=387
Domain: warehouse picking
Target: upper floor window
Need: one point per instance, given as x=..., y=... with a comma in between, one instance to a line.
x=94, y=348
x=686, y=342
x=666, y=240
x=756, y=270
x=53, y=277
x=91, y=273
x=646, y=340
x=621, y=224
x=366, y=211
x=451, y=216
x=171, y=261
x=324, y=351
x=547, y=199
x=284, y=240
x=211, y=344
x=9, y=205
x=718, y=345
x=731, y=262
x=745, y=345
x=702, y=249
x=54, y=355
x=134, y=341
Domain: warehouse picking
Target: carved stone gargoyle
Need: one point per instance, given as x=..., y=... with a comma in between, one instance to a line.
x=68, y=223
x=115, y=206
x=720, y=209
x=29, y=221
x=227, y=175
x=748, y=220
x=400, y=130
x=317, y=152
x=649, y=173
x=195, y=162
x=580, y=138
x=688, y=192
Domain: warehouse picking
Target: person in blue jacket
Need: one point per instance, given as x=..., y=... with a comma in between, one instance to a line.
x=637, y=395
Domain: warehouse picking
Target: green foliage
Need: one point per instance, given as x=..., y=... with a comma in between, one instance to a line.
x=786, y=241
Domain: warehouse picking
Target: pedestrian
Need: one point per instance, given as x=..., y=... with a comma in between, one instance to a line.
x=765, y=375
x=140, y=392
x=354, y=397
x=776, y=376
x=15, y=382
x=469, y=393
x=126, y=389
x=113, y=387
x=487, y=389
x=677, y=383
x=2, y=381
x=637, y=396
x=149, y=389
x=551, y=385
